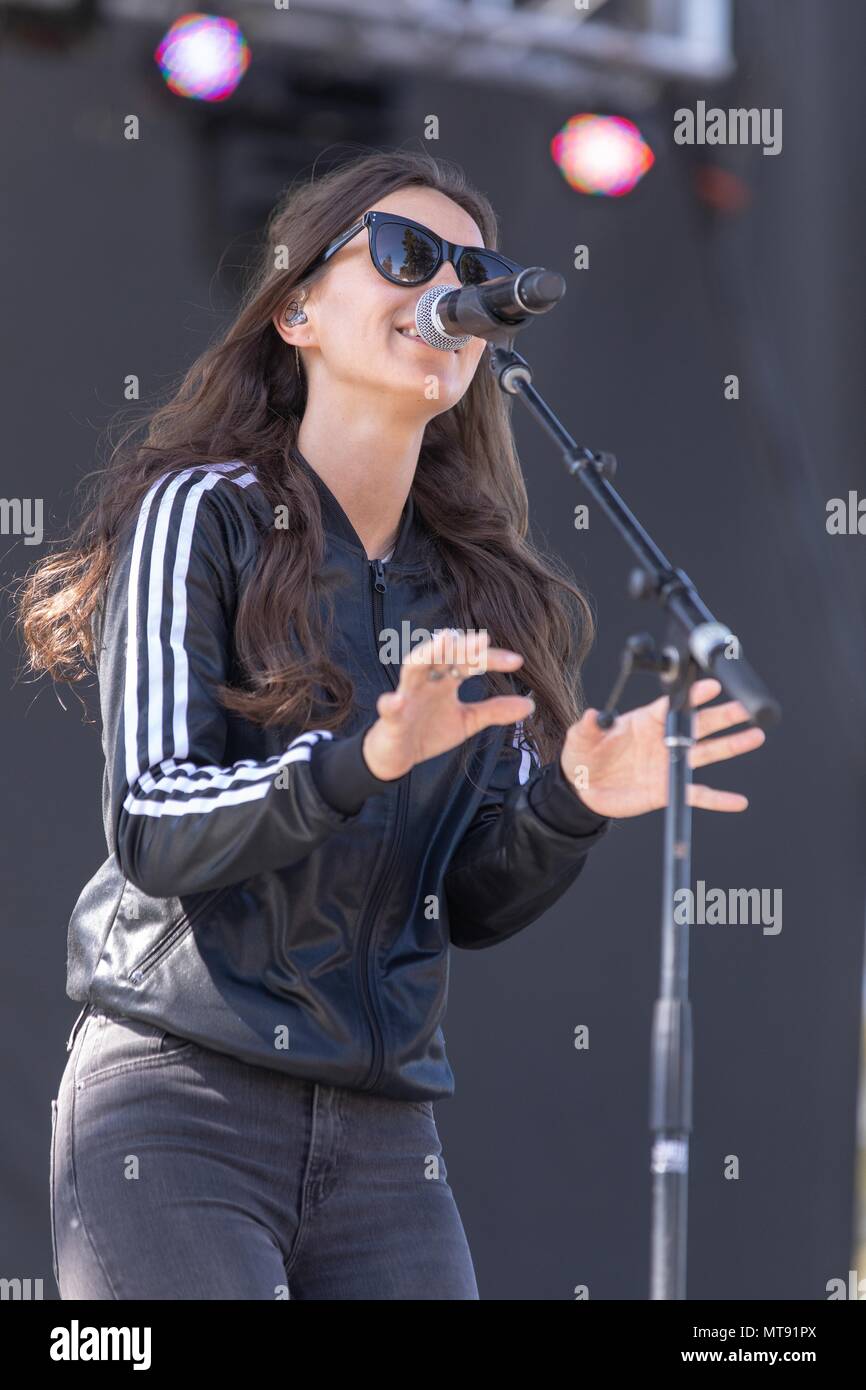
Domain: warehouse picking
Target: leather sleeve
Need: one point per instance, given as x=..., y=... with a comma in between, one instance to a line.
x=527, y=843
x=184, y=820
x=342, y=775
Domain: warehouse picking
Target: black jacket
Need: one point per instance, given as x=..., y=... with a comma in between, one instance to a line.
x=264, y=894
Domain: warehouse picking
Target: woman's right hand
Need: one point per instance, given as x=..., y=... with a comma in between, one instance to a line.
x=425, y=716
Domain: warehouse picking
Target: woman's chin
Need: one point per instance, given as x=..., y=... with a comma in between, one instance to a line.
x=435, y=374
x=431, y=393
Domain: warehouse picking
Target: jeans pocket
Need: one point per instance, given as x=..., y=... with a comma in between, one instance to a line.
x=172, y=1043
x=424, y=1106
x=116, y=1045
x=52, y=1179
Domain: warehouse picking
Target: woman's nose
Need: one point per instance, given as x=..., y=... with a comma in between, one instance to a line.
x=446, y=275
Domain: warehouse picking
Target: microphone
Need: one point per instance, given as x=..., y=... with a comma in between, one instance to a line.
x=447, y=319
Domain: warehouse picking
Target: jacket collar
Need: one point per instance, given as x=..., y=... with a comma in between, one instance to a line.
x=411, y=537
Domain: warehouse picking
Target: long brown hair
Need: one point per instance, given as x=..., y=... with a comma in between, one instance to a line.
x=244, y=398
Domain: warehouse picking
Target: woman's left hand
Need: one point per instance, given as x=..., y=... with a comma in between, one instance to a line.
x=623, y=771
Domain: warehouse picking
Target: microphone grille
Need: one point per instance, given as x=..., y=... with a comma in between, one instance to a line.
x=427, y=329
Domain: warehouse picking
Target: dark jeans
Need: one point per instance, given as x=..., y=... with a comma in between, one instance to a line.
x=178, y=1172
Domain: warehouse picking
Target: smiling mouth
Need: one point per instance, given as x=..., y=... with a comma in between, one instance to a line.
x=414, y=336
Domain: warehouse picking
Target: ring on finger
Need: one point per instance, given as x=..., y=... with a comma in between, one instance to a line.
x=436, y=675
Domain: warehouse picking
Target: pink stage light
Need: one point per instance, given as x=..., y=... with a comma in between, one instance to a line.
x=203, y=57
x=602, y=155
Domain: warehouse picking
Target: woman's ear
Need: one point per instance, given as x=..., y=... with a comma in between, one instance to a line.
x=289, y=319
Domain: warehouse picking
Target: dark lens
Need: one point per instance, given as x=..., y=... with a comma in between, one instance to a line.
x=478, y=266
x=405, y=253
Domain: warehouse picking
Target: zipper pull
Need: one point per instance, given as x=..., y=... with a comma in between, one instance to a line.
x=379, y=576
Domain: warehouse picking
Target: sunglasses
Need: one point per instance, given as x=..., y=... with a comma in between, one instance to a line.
x=408, y=253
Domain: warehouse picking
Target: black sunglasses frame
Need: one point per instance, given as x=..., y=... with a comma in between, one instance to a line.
x=447, y=250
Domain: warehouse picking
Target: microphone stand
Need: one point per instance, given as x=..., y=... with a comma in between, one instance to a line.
x=696, y=642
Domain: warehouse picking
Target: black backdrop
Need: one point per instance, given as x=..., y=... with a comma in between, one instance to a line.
x=109, y=265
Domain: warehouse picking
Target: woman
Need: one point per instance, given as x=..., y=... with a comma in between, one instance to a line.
x=342, y=730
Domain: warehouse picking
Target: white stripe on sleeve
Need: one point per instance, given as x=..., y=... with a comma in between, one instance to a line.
x=528, y=753
x=175, y=786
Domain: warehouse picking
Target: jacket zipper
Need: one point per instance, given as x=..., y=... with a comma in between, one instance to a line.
x=365, y=955
x=161, y=948
x=156, y=953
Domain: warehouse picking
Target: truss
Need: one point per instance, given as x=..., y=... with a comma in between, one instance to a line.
x=620, y=50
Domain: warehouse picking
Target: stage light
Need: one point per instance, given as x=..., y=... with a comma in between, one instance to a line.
x=203, y=57
x=604, y=155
